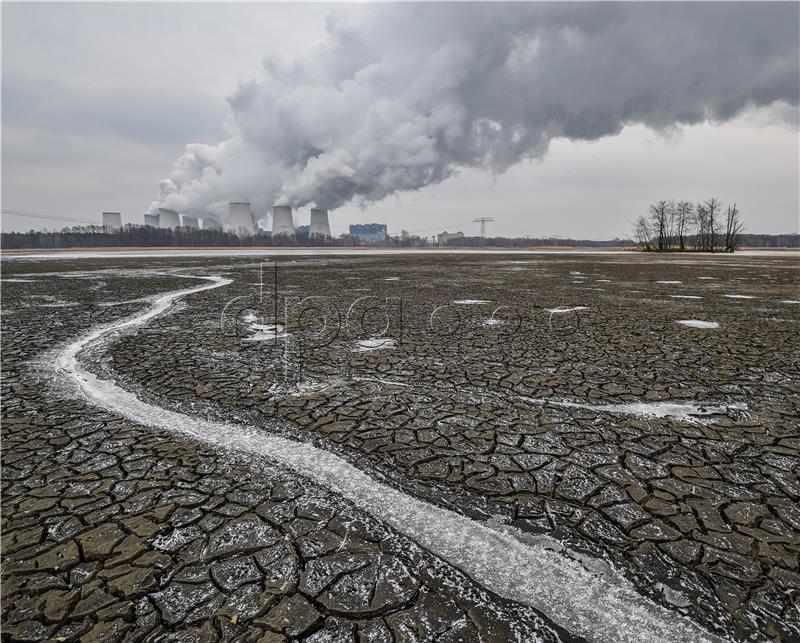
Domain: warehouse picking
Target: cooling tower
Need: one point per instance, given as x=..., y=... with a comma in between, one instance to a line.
x=112, y=219
x=210, y=222
x=190, y=222
x=282, y=220
x=151, y=219
x=319, y=223
x=241, y=219
x=167, y=218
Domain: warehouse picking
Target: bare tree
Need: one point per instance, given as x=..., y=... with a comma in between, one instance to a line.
x=642, y=234
x=733, y=228
x=659, y=218
x=712, y=209
x=701, y=227
x=684, y=211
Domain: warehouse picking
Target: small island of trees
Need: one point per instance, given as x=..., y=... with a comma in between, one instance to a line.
x=679, y=226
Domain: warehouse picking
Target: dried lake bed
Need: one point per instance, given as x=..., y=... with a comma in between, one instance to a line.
x=401, y=447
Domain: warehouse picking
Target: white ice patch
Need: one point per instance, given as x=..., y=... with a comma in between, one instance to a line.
x=738, y=296
x=697, y=323
x=586, y=603
x=264, y=332
x=687, y=412
x=560, y=311
x=374, y=344
x=471, y=302
x=789, y=301
x=669, y=282
x=685, y=297
x=493, y=322
x=17, y=281
x=680, y=411
x=707, y=278
x=392, y=279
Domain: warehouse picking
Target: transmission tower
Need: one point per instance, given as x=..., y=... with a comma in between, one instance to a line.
x=482, y=221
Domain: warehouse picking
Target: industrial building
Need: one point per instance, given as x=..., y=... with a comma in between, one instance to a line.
x=282, y=222
x=168, y=218
x=320, y=226
x=241, y=219
x=445, y=237
x=369, y=232
x=112, y=220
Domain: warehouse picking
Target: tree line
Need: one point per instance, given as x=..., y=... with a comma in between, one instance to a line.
x=146, y=236
x=132, y=235
x=671, y=226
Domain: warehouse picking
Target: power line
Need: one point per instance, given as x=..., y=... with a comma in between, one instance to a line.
x=53, y=217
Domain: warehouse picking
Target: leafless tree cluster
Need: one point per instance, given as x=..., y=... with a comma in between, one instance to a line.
x=682, y=225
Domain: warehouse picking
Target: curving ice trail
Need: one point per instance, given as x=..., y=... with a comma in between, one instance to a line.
x=583, y=602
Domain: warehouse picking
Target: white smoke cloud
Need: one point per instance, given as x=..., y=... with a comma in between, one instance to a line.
x=410, y=93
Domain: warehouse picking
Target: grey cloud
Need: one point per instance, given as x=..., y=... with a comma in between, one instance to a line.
x=132, y=114
x=414, y=92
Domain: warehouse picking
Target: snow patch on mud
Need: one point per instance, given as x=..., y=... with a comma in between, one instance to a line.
x=374, y=344
x=560, y=311
x=264, y=332
x=689, y=412
x=698, y=323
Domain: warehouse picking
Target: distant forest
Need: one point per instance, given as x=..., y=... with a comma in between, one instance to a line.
x=146, y=236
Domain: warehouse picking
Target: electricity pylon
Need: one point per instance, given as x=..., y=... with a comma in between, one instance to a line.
x=482, y=221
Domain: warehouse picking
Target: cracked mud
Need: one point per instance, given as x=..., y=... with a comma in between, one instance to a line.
x=559, y=395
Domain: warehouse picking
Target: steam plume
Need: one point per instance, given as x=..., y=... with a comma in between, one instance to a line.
x=406, y=95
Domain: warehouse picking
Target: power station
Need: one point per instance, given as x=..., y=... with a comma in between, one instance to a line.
x=210, y=222
x=320, y=226
x=241, y=219
x=243, y=222
x=112, y=219
x=282, y=222
x=168, y=218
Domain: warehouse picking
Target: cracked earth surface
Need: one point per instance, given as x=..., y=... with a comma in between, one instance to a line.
x=544, y=414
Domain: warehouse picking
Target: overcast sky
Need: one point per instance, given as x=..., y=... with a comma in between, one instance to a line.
x=100, y=100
